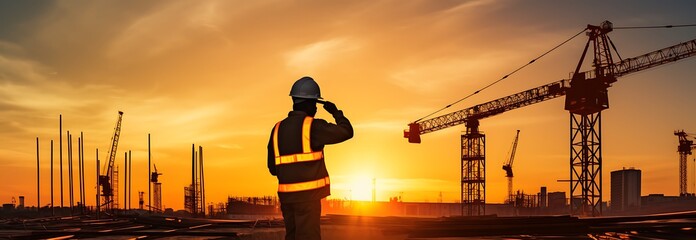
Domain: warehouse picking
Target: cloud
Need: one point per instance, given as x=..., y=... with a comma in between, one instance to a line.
x=31, y=86
x=230, y=146
x=390, y=126
x=467, y=5
x=437, y=75
x=14, y=69
x=314, y=55
x=169, y=27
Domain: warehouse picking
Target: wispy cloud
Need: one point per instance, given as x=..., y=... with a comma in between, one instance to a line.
x=467, y=5
x=314, y=55
x=436, y=75
x=171, y=27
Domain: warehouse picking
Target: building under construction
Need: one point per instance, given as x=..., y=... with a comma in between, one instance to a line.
x=194, y=194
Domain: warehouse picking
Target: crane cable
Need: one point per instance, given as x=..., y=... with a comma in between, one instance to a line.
x=547, y=52
x=664, y=26
x=504, y=77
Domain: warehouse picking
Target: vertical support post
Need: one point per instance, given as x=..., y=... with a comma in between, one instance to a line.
x=82, y=170
x=473, y=157
x=193, y=179
x=149, y=170
x=70, y=174
x=53, y=209
x=125, y=184
x=98, y=193
x=130, y=177
x=585, y=164
x=38, y=179
x=79, y=172
x=200, y=157
x=60, y=157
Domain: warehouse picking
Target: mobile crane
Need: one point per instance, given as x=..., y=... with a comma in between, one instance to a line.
x=586, y=97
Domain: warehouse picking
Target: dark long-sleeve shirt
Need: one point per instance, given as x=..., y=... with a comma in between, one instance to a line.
x=321, y=133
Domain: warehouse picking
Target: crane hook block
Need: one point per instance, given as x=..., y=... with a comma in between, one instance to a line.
x=413, y=133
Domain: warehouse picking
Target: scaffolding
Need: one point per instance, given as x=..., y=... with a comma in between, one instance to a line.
x=156, y=190
x=157, y=195
x=192, y=200
x=194, y=194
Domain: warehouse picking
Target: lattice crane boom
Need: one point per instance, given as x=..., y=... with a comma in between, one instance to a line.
x=546, y=92
x=488, y=109
x=107, y=177
x=109, y=165
x=507, y=166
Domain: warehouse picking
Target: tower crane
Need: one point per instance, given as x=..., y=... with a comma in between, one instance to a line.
x=586, y=96
x=105, y=180
x=684, y=149
x=157, y=192
x=507, y=166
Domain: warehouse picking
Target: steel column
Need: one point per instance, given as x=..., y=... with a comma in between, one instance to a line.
x=473, y=182
x=585, y=164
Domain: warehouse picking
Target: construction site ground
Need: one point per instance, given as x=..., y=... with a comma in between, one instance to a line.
x=661, y=226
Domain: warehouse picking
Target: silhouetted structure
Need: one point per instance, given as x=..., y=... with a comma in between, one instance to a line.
x=543, y=197
x=684, y=149
x=625, y=189
x=157, y=189
x=473, y=183
x=194, y=194
x=140, y=200
x=266, y=205
x=507, y=166
x=586, y=99
x=557, y=200
x=109, y=197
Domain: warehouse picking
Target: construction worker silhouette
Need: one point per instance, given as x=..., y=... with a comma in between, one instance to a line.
x=296, y=157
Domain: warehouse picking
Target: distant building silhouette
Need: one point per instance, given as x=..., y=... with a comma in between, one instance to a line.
x=625, y=189
x=557, y=200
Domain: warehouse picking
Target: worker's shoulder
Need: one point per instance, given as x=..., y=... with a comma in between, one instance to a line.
x=319, y=121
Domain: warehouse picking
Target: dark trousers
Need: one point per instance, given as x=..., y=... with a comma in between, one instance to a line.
x=302, y=220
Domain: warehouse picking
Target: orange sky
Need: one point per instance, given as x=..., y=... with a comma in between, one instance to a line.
x=217, y=74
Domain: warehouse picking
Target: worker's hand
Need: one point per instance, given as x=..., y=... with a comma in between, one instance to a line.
x=330, y=107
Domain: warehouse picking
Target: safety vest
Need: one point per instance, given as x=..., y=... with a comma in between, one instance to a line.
x=301, y=171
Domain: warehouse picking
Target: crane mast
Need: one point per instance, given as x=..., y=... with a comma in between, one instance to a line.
x=105, y=180
x=586, y=96
x=507, y=166
x=684, y=150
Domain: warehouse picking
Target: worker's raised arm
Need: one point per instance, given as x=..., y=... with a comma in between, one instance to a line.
x=323, y=132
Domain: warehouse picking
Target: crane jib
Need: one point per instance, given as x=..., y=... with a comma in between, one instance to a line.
x=547, y=92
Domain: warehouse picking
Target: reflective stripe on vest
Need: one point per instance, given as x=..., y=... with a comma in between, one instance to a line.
x=306, y=155
x=303, y=186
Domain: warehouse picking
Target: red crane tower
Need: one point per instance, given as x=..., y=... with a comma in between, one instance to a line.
x=684, y=149
x=586, y=98
x=507, y=166
x=105, y=180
